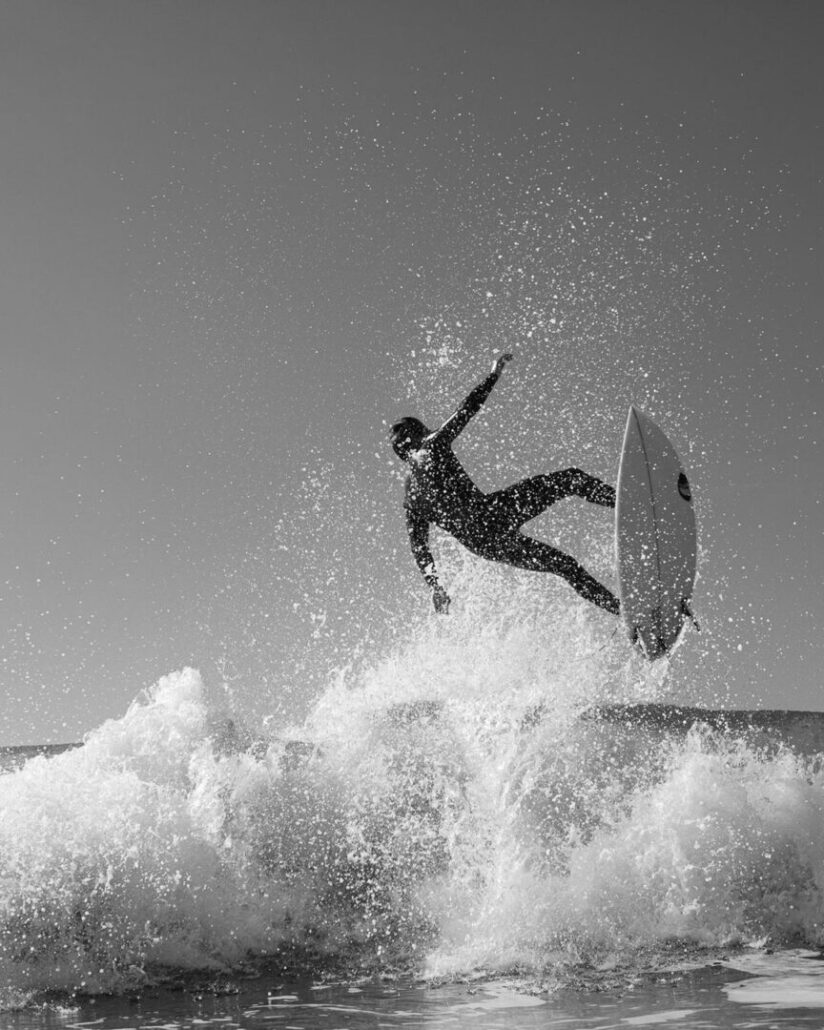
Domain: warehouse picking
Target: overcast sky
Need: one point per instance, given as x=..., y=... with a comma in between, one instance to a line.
x=238, y=238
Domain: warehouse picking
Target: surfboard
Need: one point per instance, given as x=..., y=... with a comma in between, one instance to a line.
x=655, y=538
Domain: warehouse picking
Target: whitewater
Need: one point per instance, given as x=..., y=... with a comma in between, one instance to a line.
x=449, y=805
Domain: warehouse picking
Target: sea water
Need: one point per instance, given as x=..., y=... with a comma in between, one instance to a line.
x=448, y=810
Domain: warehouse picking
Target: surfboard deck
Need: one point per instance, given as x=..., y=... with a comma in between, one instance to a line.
x=655, y=538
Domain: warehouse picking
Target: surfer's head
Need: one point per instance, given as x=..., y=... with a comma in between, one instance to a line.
x=407, y=436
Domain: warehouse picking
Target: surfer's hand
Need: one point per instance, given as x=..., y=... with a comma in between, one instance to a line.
x=440, y=599
x=500, y=362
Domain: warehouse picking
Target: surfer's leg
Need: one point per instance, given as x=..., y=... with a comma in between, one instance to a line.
x=526, y=500
x=574, y=482
x=526, y=553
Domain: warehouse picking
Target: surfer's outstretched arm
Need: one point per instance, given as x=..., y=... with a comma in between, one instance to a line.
x=472, y=405
x=418, y=529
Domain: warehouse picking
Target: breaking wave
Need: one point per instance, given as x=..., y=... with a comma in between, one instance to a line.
x=455, y=803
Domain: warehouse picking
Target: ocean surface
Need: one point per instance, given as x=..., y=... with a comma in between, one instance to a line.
x=785, y=994
x=479, y=826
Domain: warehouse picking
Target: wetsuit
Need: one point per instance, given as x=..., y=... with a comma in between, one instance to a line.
x=439, y=490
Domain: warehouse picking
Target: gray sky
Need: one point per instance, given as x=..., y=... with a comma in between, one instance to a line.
x=237, y=238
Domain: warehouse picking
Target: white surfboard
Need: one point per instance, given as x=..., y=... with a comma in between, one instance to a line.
x=655, y=537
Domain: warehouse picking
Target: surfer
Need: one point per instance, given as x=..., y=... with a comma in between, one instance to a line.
x=439, y=490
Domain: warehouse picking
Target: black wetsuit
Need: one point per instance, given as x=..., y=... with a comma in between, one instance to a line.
x=439, y=490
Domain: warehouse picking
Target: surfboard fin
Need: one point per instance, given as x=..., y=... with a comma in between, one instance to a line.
x=638, y=641
x=687, y=610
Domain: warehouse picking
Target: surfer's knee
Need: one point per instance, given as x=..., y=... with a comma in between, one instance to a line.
x=572, y=480
x=592, y=489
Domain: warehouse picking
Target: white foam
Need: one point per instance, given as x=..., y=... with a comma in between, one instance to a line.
x=443, y=806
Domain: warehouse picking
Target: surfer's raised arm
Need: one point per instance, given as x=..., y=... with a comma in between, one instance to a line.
x=418, y=529
x=440, y=492
x=472, y=405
